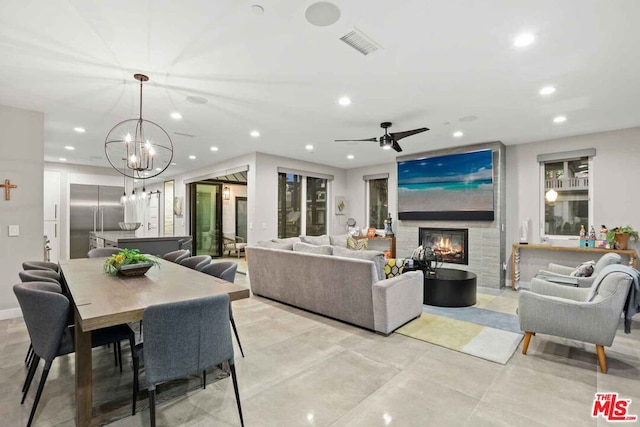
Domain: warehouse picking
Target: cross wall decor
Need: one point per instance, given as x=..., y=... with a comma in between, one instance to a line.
x=7, y=188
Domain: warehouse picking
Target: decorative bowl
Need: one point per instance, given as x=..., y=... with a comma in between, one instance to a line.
x=135, y=269
x=129, y=226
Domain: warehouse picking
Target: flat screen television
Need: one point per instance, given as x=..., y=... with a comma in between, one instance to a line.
x=451, y=187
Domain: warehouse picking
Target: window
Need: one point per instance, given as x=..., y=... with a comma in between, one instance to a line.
x=295, y=216
x=566, y=195
x=378, y=201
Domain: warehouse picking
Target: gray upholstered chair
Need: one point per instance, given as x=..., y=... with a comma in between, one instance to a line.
x=226, y=270
x=177, y=256
x=45, y=313
x=103, y=252
x=561, y=274
x=39, y=276
x=197, y=262
x=39, y=265
x=583, y=314
x=233, y=244
x=184, y=338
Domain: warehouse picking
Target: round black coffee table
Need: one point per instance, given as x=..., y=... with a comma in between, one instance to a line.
x=450, y=288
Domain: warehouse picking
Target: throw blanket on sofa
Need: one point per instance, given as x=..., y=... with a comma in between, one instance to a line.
x=632, y=304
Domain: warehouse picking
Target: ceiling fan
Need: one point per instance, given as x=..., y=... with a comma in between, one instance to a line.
x=388, y=140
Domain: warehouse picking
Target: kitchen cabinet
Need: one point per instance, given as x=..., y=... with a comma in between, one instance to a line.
x=51, y=196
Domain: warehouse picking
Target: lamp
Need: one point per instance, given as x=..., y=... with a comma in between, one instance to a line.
x=551, y=196
x=146, y=148
x=226, y=193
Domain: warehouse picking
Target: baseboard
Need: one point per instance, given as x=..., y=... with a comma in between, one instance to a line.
x=10, y=313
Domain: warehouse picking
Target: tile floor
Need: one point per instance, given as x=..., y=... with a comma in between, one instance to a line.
x=303, y=369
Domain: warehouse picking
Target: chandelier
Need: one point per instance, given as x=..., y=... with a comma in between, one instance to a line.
x=143, y=148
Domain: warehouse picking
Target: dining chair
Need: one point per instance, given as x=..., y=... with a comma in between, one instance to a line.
x=40, y=276
x=197, y=262
x=184, y=338
x=103, y=252
x=226, y=270
x=45, y=313
x=177, y=256
x=39, y=265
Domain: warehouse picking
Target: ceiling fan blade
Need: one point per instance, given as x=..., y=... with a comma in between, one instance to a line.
x=406, y=133
x=357, y=140
x=396, y=146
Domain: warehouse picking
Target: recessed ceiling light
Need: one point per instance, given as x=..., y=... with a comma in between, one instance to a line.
x=458, y=134
x=344, y=101
x=308, y=147
x=256, y=9
x=70, y=148
x=322, y=14
x=80, y=130
x=559, y=119
x=214, y=148
x=175, y=115
x=159, y=169
x=350, y=156
x=173, y=163
x=62, y=159
x=524, y=39
x=547, y=90
x=254, y=133
x=192, y=157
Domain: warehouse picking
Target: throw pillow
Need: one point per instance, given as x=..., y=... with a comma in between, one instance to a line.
x=583, y=270
x=393, y=267
x=357, y=244
x=313, y=249
x=375, y=256
x=340, y=240
x=275, y=245
x=316, y=240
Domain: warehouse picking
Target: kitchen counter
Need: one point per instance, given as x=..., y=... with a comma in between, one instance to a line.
x=143, y=240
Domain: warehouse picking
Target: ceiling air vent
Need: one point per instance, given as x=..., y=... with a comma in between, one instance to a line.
x=360, y=42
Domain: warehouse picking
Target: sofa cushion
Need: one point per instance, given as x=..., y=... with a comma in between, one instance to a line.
x=291, y=240
x=316, y=240
x=275, y=245
x=357, y=244
x=313, y=249
x=393, y=267
x=376, y=256
x=339, y=240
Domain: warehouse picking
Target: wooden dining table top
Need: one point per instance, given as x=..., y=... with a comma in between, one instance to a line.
x=103, y=300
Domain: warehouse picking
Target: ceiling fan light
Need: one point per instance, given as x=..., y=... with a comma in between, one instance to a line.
x=386, y=147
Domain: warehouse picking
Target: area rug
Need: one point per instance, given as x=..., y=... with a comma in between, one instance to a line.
x=477, y=331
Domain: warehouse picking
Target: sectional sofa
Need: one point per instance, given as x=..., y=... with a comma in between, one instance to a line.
x=334, y=281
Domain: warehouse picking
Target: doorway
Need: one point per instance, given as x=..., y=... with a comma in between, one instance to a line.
x=241, y=217
x=206, y=218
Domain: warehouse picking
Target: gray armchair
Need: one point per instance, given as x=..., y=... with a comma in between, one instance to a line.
x=583, y=314
x=561, y=274
x=233, y=244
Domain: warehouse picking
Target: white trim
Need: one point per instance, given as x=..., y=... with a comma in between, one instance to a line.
x=211, y=175
x=376, y=176
x=566, y=155
x=10, y=313
x=326, y=176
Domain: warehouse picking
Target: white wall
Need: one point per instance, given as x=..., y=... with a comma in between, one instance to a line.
x=21, y=161
x=615, y=175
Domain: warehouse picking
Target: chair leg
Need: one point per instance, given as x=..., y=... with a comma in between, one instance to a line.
x=527, y=338
x=135, y=383
x=152, y=407
x=235, y=331
x=43, y=379
x=30, y=375
x=119, y=355
x=30, y=361
x=204, y=379
x=602, y=359
x=115, y=354
x=28, y=356
x=235, y=389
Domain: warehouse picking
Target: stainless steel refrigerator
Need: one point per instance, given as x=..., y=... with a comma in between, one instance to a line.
x=92, y=208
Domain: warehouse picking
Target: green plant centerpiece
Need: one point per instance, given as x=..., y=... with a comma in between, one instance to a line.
x=127, y=260
x=618, y=237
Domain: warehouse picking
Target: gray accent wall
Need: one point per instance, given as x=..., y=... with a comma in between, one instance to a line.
x=21, y=161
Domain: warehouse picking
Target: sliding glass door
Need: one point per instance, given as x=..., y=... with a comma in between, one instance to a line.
x=206, y=218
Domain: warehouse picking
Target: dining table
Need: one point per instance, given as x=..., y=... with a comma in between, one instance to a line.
x=101, y=300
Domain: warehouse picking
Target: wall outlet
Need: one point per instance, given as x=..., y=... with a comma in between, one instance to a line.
x=14, y=230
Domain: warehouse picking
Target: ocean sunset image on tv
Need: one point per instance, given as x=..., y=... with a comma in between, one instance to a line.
x=451, y=187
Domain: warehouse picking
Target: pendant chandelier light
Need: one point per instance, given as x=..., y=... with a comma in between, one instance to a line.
x=144, y=147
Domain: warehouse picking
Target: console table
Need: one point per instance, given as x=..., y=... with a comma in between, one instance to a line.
x=517, y=247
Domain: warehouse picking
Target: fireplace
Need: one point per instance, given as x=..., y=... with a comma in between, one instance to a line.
x=450, y=244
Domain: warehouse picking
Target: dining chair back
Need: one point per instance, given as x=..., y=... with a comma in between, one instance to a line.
x=39, y=276
x=197, y=262
x=103, y=252
x=226, y=270
x=39, y=265
x=177, y=256
x=185, y=338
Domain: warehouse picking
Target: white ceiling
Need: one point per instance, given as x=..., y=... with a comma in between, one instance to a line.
x=441, y=61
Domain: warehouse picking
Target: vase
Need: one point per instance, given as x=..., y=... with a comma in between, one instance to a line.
x=621, y=240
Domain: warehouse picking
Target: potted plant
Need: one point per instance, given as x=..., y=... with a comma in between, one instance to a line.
x=618, y=237
x=129, y=262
